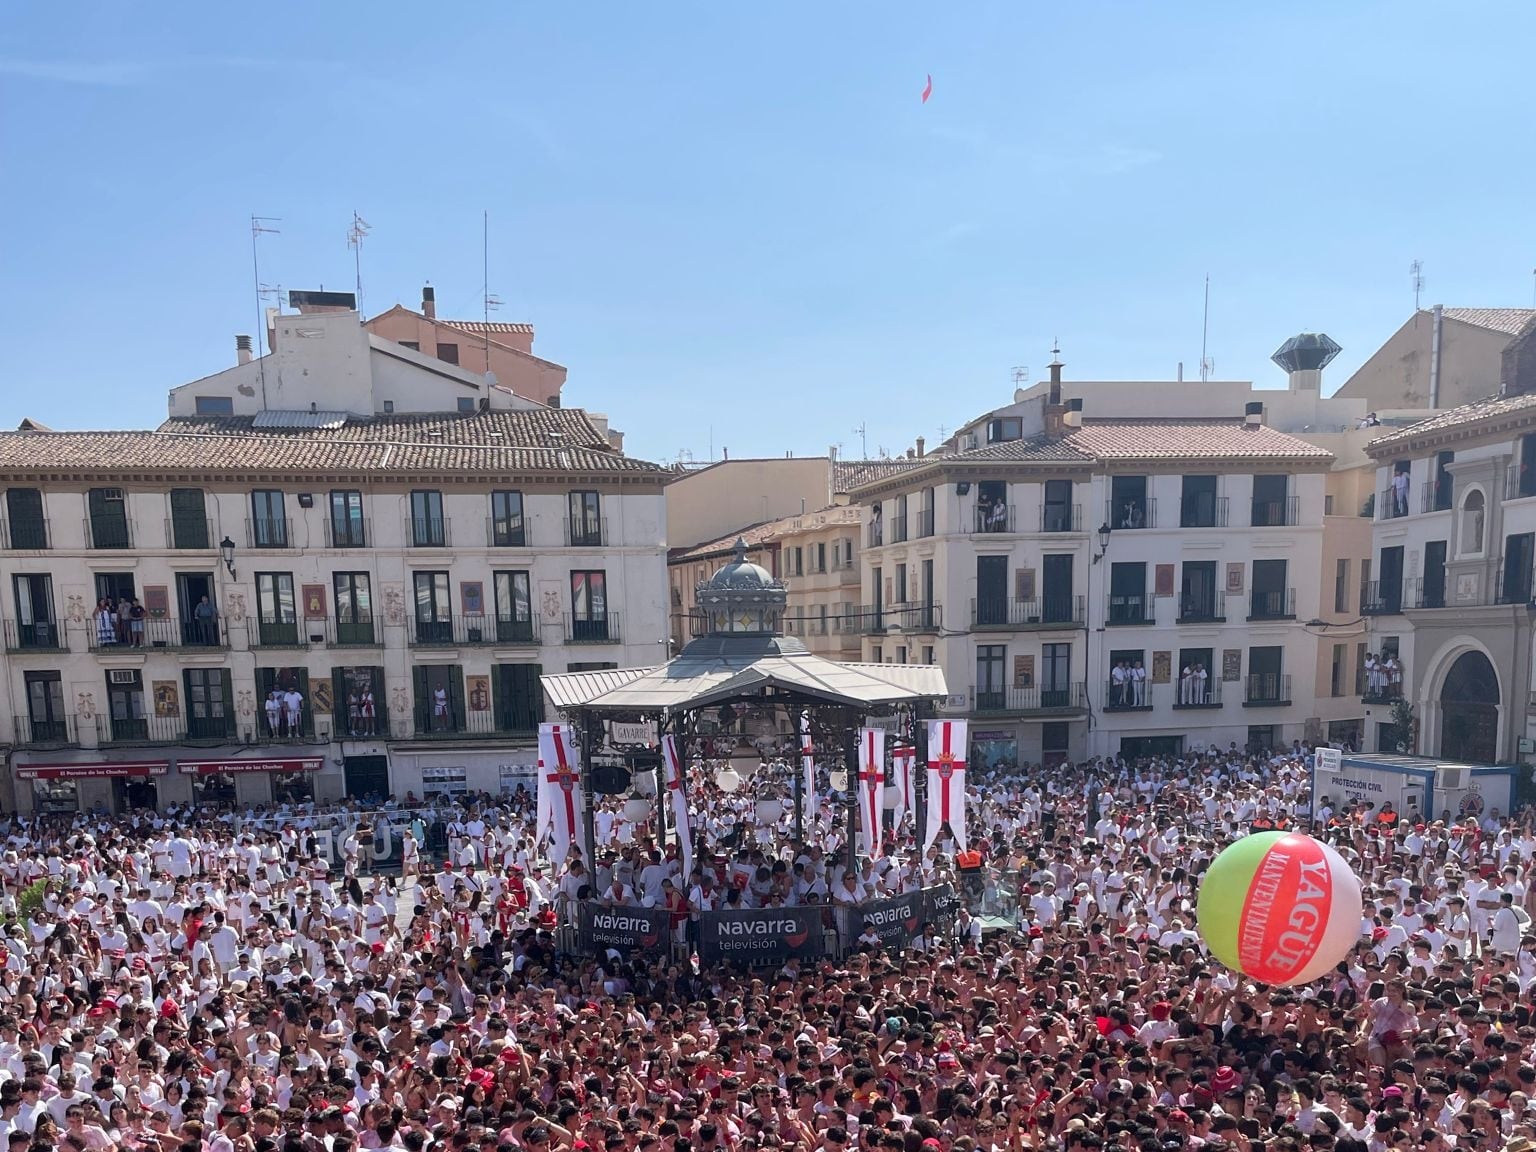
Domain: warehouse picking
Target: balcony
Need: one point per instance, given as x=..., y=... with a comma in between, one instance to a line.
x=1515, y=585
x=1203, y=512
x=267, y=532
x=1435, y=496
x=1381, y=599
x=109, y=533
x=1275, y=513
x=1128, y=695
x=897, y=530
x=587, y=532
x=1197, y=693
x=459, y=631
x=915, y=617
x=874, y=534
x=592, y=630
x=1381, y=693
x=24, y=535
x=428, y=532
x=160, y=634
x=1267, y=690
x=506, y=532
x=1128, y=515
x=60, y=733
x=39, y=636
x=1520, y=482
x=190, y=534
x=348, y=533
x=1202, y=608
x=265, y=633
x=1389, y=506
x=1422, y=592
x=451, y=727
x=1018, y=615
x=992, y=519
x=1129, y=608
x=354, y=632
x=925, y=523
x=140, y=729
x=1027, y=701
x=1273, y=604
x=211, y=729
x=1061, y=517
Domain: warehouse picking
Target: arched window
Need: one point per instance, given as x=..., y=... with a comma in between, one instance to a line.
x=1472, y=515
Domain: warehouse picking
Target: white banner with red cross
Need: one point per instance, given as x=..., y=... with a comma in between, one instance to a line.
x=560, y=797
x=808, y=769
x=871, y=789
x=677, y=794
x=903, y=760
x=946, y=780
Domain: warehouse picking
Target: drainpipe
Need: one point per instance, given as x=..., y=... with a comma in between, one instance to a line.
x=1434, y=358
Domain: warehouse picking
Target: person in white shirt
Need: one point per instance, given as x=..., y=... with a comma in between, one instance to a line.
x=1504, y=935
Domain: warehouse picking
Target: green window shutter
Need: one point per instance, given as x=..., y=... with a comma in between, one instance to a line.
x=456, y=696
x=423, y=699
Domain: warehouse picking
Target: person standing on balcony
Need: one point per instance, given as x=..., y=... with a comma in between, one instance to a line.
x=106, y=623
x=293, y=707
x=136, y=616
x=1400, y=493
x=274, y=711
x=1138, y=685
x=204, y=615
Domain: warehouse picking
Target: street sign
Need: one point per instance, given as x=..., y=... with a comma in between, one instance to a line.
x=632, y=734
x=1328, y=760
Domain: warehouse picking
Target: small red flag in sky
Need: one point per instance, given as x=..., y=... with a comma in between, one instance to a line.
x=928, y=89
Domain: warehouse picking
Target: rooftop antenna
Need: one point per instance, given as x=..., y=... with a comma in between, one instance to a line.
x=863, y=431
x=490, y=301
x=943, y=433
x=355, y=236
x=1416, y=275
x=1021, y=375
x=258, y=226
x=1207, y=365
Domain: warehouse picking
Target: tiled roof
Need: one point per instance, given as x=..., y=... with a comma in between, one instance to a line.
x=850, y=474
x=1510, y=321
x=765, y=532
x=493, y=327
x=1033, y=448
x=489, y=442
x=1488, y=408
x=1169, y=439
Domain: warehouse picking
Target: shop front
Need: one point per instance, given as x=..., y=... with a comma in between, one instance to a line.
x=254, y=780
x=90, y=786
x=444, y=773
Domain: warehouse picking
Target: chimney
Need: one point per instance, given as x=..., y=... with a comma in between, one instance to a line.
x=429, y=303
x=1073, y=417
x=1253, y=414
x=1055, y=393
x=242, y=349
x=921, y=443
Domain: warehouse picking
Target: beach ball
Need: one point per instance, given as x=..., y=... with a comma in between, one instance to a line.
x=1279, y=907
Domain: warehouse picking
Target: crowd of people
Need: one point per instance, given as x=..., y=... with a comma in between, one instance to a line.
x=190, y=982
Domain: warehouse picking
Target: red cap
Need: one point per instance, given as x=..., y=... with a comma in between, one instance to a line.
x=1179, y=1116
x=168, y=1007
x=1161, y=1010
x=1378, y=933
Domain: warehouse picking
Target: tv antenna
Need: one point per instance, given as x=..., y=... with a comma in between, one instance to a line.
x=259, y=225
x=863, y=431
x=490, y=301
x=1020, y=375
x=355, y=235
x=1416, y=276
x=1207, y=365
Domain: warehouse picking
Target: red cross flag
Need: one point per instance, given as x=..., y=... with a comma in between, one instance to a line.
x=559, y=787
x=903, y=758
x=679, y=799
x=871, y=784
x=946, y=780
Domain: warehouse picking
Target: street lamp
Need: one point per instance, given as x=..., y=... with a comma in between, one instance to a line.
x=227, y=551
x=1103, y=541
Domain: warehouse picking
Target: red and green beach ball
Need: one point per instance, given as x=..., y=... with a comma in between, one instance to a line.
x=1280, y=907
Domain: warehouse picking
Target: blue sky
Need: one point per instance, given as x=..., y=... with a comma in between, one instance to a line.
x=736, y=223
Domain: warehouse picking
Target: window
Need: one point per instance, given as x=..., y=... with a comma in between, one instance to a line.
x=925, y=513
x=1005, y=428
x=1444, y=483
x=901, y=653
x=1518, y=557
x=507, y=529
x=927, y=653
x=354, y=608
x=428, y=529
x=1526, y=483
x=1271, y=502
x=389, y=407
x=269, y=525
x=1199, y=506
x=1266, y=682
x=901, y=584
x=210, y=704
x=1127, y=687
x=991, y=681
x=514, y=606
x=277, y=615
x=1341, y=586
x=1432, y=590
x=899, y=521
x=109, y=518
x=45, y=708
x=413, y=345
x=992, y=511
x=877, y=599
x=1055, y=675
x=586, y=520
x=1057, y=513
x=357, y=692
x=876, y=654
x=1198, y=687
x=189, y=519
x=27, y=527
x=34, y=625
x=434, y=608
x=466, y=404
x=1340, y=663
x=1199, y=598
x=114, y=588
x=519, y=697
x=1128, y=593
x=286, y=711
x=1269, y=598
x=347, y=527
x=214, y=405
x=439, y=698
x=448, y=353
x=125, y=704
x=1058, y=605
x=1129, y=506
x=589, y=605
x=821, y=557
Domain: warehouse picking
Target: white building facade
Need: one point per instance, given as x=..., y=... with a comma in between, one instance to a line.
x=351, y=594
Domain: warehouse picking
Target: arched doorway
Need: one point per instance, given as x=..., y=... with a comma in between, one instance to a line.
x=1469, y=710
